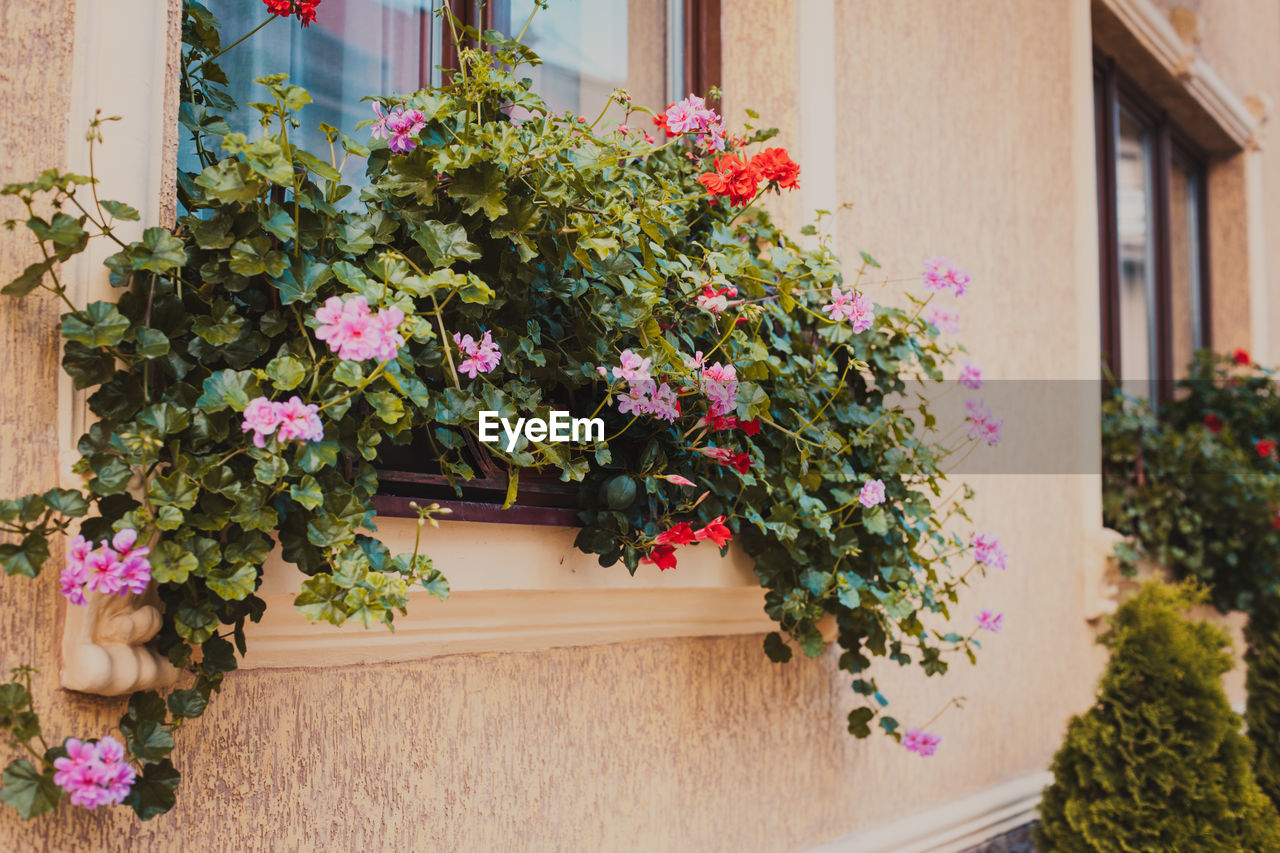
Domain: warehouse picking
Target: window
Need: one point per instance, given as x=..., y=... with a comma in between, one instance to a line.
x=658, y=50
x=1153, y=253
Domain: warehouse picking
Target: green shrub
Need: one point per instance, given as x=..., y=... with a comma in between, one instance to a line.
x=1262, y=682
x=1158, y=763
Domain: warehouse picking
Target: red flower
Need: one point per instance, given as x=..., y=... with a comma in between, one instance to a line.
x=304, y=9
x=661, y=121
x=718, y=423
x=662, y=556
x=283, y=8
x=1275, y=521
x=733, y=177
x=1213, y=422
x=1265, y=447
x=751, y=427
x=1241, y=357
x=774, y=164
x=681, y=534
x=716, y=532
x=740, y=462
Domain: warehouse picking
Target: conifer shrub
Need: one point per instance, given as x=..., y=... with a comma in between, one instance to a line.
x=1158, y=763
x=1262, y=682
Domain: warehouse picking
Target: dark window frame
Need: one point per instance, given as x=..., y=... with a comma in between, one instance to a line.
x=1114, y=90
x=540, y=499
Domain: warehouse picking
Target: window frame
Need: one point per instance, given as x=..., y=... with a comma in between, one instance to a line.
x=1114, y=90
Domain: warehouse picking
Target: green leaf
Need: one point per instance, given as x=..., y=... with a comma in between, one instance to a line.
x=100, y=324
x=482, y=188
x=29, y=791
x=196, y=623
x=159, y=251
x=187, y=703
x=25, y=558
x=120, y=210
x=69, y=502
x=29, y=280
x=228, y=388
x=176, y=489
x=307, y=492
x=152, y=343
x=153, y=792
x=859, y=721
x=777, y=650
x=255, y=256
x=445, y=244
x=233, y=583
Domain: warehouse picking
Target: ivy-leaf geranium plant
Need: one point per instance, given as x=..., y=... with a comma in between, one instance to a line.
x=266, y=350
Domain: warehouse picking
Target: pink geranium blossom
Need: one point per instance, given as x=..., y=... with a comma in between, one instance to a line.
x=983, y=425
x=715, y=300
x=116, y=568
x=947, y=322
x=398, y=127
x=693, y=116
x=943, y=274
x=481, y=356
x=971, y=376
x=720, y=384
x=921, y=742
x=261, y=417
x=632, y=367
x=851, y=306
x=872, y=493
x=647, y=397
x=356, y=334
x=989, y=621
x=987, y=550
x=94, y=774
x=299, y=421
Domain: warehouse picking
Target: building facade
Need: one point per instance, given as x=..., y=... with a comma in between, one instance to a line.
x=1102, y=169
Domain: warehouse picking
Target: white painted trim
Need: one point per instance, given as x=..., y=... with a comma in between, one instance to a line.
x=819, y=107
x=953, y=827
x=1153, y=30
x=515, y=588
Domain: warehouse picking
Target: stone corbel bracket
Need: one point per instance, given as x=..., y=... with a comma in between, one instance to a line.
x=104, y=645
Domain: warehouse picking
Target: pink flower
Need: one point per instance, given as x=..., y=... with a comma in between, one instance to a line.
x=103, y=571
x=261, y=417
x=987, y=550
x=632, y=368
x=942, y=274
x=390, y=340
x=971, y=376
x=94, y=774
x=479, y=356
x=695, y=361
x=983, y=425
x=134, y=573
x=398, y=127
x=678, y=480
x=647, y=397
x=921, y=742
x=872, y=493
x=947, y=322
x=989, y=621
x=720, y=383
x=348, y=327
x=299, y=420
x=715, y=299
x=852, y=306
x=71, y=582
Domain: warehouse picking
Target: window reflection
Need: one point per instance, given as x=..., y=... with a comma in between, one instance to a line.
x=1134, y=220
x=591, y=47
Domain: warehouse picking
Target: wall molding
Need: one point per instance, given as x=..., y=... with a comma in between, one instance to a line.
x=1157, y=35
x=955, y=826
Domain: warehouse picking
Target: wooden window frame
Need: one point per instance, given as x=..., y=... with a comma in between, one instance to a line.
x=540, y=500
x=1113, y=90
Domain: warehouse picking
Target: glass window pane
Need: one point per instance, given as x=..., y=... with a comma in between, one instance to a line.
x=1184, y=234
x=354, y=49
x=1135, y=222
x=591, y=47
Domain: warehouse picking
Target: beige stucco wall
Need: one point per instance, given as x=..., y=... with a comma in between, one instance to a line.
x=963, y=129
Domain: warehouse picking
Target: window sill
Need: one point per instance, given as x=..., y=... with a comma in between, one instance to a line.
x=515, y=587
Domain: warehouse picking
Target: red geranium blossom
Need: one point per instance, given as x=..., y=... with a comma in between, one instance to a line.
x=661, y=121
x=733, y=177
x=774, y=164
x=751, y=427
x=1265, y=447
x=304, y=9
x=1213, y=422
x=662, y=556
x=681, y=534
x=716, y=532
x=1241, y=357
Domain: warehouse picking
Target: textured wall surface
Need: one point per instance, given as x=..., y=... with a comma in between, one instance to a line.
x=959, y=134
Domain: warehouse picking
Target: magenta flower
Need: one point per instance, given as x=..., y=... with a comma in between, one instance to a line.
x=102, y=571
x=647, y=397
x=692, y=115
x=632, y=368
x=94, y=774
x=921, y=742
x=71, y=583
x=299, y=421
x=134, y=570
x=983, y=425
x=987, y=550
x=261, y=417
x=478, y=356
x=971, y=376
x=942, y=274
x=851, y=306
x=947, y=322
x=398, y=127
x=989, y=621
x=872, y=493
x=116, y=568
x=356, y=334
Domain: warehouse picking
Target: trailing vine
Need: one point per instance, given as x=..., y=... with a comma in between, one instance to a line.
x=289, y=329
